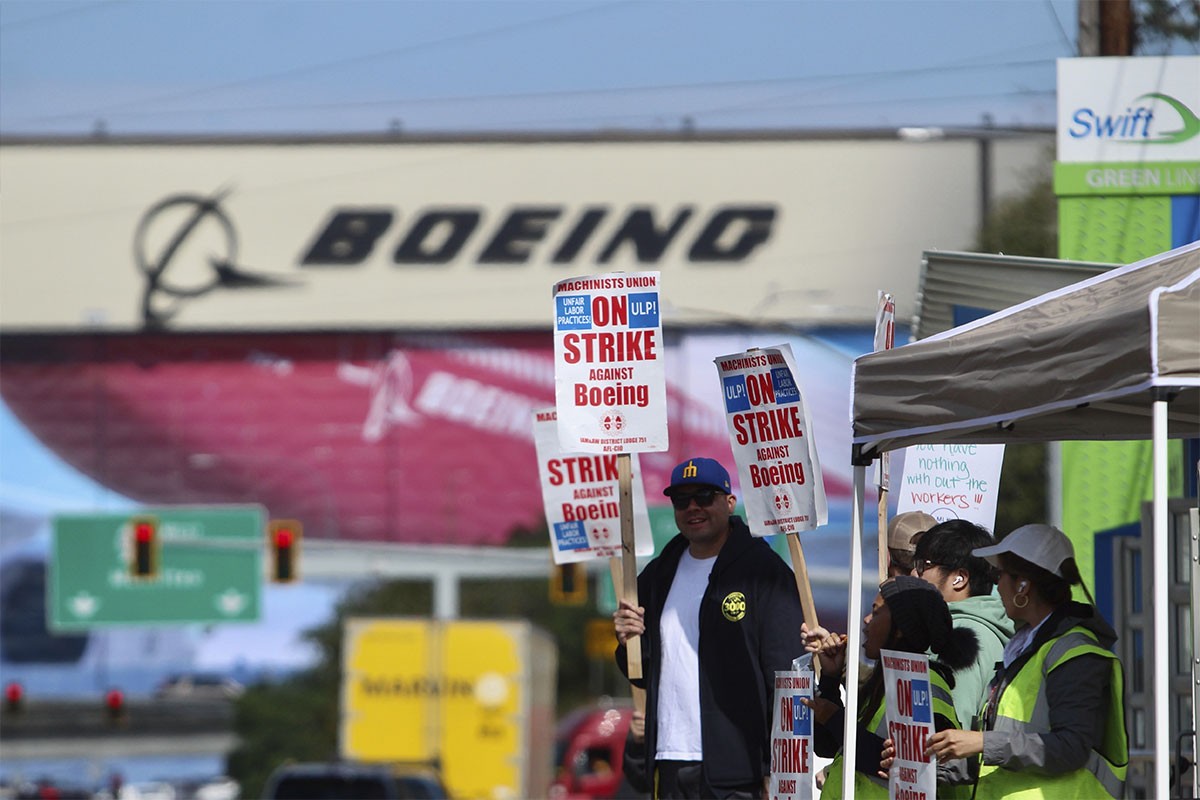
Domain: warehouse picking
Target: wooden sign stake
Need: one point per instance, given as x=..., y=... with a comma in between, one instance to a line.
x=803, y=585
x=629, y=593
x=883, y=536
x=614, y=568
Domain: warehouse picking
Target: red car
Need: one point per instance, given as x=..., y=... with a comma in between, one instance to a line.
x=590, y=746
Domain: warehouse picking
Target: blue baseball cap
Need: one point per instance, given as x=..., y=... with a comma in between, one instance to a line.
x=699, y=472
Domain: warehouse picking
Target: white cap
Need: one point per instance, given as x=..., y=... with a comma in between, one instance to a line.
x=1043, y=545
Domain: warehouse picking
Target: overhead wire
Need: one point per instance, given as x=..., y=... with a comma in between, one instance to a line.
x=57, y=15
x=128, y=107
x=849, y=79
x=1072, y=47
x=457, y=38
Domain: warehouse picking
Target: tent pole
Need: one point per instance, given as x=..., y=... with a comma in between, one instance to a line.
x=853, y=633
x=1162, y=607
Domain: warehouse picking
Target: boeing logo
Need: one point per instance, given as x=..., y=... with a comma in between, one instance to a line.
x=1140, y=123
x=159, y=243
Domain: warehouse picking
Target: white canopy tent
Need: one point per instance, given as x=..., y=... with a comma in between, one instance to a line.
x=1116, y=356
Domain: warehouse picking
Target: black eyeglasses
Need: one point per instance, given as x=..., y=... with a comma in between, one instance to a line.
x=704, y=498
x=923, y=564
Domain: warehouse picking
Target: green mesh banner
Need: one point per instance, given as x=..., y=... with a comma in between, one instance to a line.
x=1105, y=483
x=1118, y=230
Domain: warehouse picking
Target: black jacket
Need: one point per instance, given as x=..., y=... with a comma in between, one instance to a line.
x=738, y=654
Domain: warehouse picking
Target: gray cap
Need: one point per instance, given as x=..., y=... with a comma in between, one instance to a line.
x=1043, y=545
x=904, y=527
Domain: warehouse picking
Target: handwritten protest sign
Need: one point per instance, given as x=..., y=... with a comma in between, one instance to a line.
x=771, y=436
x=610, y=385
x=952, y=481
x=580, y=495
x=913, y=775
x=791, y=737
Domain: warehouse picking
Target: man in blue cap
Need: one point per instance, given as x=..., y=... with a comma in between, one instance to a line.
x=720, y=614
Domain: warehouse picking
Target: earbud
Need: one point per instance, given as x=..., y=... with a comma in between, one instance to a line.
x=1022, y=587
x=958, y=580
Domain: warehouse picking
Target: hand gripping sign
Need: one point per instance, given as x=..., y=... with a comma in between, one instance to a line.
x=909, y=700
x=610, y=385
x=791, y=736
x=581, y=494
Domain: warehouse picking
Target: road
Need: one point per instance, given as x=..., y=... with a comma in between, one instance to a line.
x=57, y=729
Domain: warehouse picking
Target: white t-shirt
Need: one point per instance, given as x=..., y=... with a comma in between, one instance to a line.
x=679, y=680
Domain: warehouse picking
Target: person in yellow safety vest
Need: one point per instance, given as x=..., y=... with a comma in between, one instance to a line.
x=1053, y=722
x=911, y=616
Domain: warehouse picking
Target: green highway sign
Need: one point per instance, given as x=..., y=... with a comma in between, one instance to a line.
x=208, y=568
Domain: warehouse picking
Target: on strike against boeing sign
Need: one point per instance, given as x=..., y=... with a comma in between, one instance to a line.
x=580, y=494
x=609, y=382
x=772, y=441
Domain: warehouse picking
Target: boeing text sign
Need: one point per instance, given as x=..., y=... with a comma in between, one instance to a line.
x=209, y=568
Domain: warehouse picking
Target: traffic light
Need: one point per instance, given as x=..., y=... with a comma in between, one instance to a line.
x=283, y=542
x=14, y=698
x=114, y=706
x=568, y=584
x=144, y=561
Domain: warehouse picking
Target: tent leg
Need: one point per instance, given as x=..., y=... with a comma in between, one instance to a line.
x=1162, y=607
x=1194, y=522
x=853, y=633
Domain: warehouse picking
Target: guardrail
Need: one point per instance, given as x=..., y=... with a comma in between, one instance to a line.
x=82, y=729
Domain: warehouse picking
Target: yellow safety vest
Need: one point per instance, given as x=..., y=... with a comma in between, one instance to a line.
x=1022, y=707
x=872, y=787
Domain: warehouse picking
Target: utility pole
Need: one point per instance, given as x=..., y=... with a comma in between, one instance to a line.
x=1116, y=28
x=1105, y=27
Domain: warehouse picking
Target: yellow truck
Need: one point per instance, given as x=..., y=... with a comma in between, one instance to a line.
x=472, y=698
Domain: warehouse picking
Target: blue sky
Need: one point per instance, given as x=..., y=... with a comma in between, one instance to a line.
x=302, y=66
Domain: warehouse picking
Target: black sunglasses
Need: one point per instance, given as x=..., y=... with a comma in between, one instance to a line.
x=923, y=564
x=704, y=498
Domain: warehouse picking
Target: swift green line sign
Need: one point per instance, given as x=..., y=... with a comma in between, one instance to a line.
x=208, y=568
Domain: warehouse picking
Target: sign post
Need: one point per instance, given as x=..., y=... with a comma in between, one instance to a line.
x=885, y=339
x=771, y=436
x=610, y=387
x=209, y=568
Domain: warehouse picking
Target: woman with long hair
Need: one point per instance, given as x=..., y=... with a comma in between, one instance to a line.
x=1053, y=722
x=908, y=615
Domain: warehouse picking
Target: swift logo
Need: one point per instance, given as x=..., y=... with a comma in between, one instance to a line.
x=1137, y=125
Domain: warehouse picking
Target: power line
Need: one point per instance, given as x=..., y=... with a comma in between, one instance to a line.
x=58, y=15
x=1070, y=45
x=310, y=68
x=569, y=94
x=680, y=113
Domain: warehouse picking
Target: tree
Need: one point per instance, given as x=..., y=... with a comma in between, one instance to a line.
x=1158, y=24
x=1024, y=225
x=296, y=719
